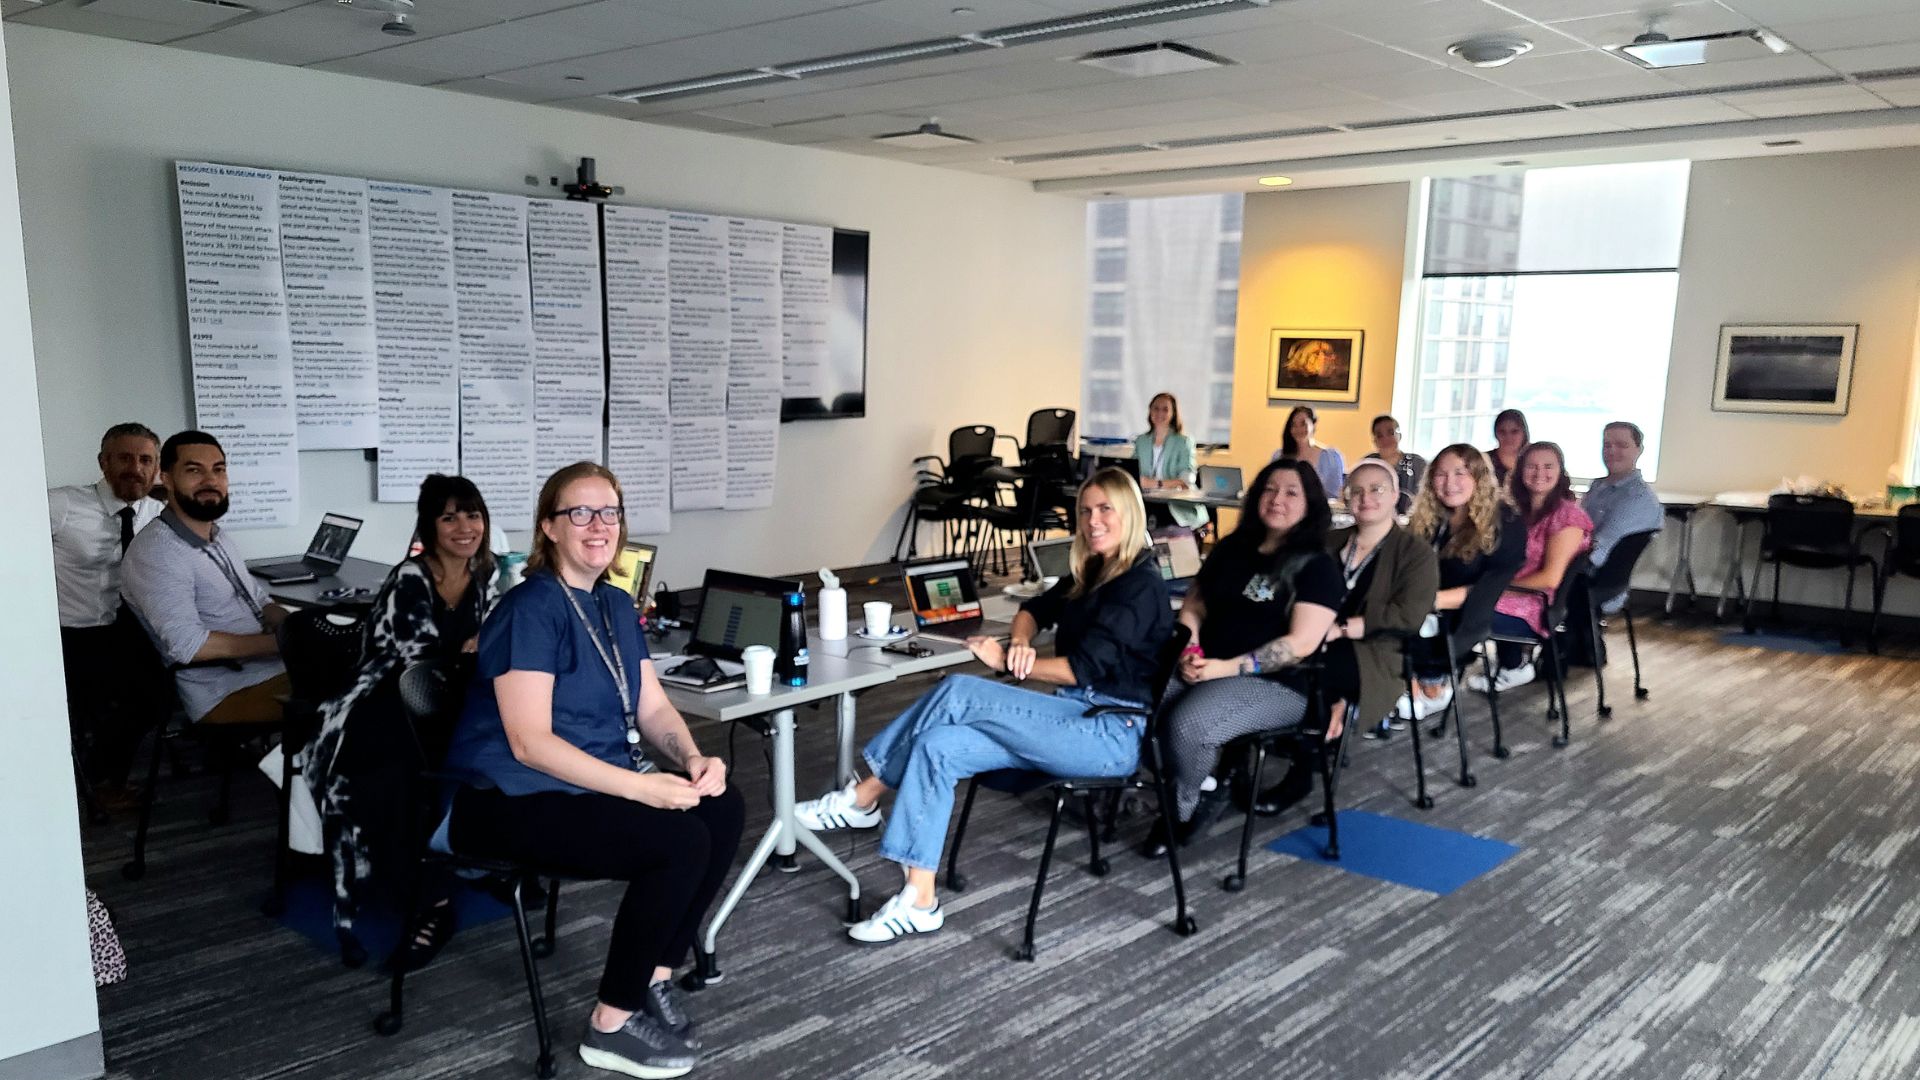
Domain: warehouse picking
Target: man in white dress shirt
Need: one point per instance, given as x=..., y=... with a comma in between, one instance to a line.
x=114, y=677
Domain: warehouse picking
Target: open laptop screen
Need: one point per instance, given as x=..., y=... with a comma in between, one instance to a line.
x=737, y=611
x=942, y=592
x=632, y=571
x=1052, y=558
x=333, y=538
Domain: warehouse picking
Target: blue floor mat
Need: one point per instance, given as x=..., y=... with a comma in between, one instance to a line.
x=1782, y=641
x=310, y=914
x=1403, y=852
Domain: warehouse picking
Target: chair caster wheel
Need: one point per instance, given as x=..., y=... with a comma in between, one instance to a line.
x=1640, y=695
x=134, y=871
x=1469, y=780
x=545, y=1067
x=1333, y=854
x=854, y=912
x=1187, y=927
x=1234, y=883
x=1023, y=953
x=1606, y=712
x=957, y=882
x=692, y=983
x=273, y=907
x=1318, y=820
x=543, y=948
x=1503, y=752
x=1099, y=867
x=387, y=1024
x=1436, y=731
x=1424, y=802
x=1559, y=742
x=789, y=864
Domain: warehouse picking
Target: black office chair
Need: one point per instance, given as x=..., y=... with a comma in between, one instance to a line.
x=1461, y=633
x=1902, y=556
x=1813, y=532
x=1327, y=755
x=1156, y=778
x=1557, y=606
x=321, y=650
x=1041, y=501
x=945, y=488
x=1050, y=427
x=1603, y=586
x=430, y=689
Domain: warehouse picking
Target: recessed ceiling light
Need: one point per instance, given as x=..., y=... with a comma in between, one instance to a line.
x=1656, y=50
x=576, y=78
x=1275, y=181
x=1489, y=50
x=1782, y=142
x=1161, y=58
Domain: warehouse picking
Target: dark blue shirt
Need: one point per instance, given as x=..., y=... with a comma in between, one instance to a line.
x=534, y=629
x=1112, y=635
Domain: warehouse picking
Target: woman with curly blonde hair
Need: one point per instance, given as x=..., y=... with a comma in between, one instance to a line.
x=1481, y=540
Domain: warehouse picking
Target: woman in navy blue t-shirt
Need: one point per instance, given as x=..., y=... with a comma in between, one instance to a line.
x=576, y=764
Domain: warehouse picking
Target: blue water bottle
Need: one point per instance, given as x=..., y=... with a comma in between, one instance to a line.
x=790, y=660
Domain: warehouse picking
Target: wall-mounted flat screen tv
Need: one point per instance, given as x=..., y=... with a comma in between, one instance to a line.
x=838, y=388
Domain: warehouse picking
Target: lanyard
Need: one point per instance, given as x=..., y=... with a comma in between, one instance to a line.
x=616, y=666
x=239, y=587
x=1353, y=570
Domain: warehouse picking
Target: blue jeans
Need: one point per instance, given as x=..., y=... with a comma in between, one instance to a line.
x=1511, y=655
x=968, y=725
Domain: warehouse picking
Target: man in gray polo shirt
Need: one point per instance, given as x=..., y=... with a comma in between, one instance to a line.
x=185, y=581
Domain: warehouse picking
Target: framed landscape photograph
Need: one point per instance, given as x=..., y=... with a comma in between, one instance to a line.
x=1788, y=368
x=1314, y=365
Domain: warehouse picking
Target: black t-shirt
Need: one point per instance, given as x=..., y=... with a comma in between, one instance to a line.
x=1248, y=607
x=1111, y=636
x=1507, y=555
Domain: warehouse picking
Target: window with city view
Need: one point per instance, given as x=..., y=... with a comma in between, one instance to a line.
x=1552, y=292
x=1164, y=283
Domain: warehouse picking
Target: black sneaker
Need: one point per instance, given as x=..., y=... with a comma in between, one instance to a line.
x=663, y=1003
x=1293, y=787
x=642, y=1047
x=1212, y=804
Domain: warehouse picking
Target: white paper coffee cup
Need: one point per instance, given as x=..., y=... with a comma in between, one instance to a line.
x=759, y=662
x=879, y=615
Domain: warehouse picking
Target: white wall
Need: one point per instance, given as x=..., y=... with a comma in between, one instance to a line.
x=46, y=992
x=975, y=310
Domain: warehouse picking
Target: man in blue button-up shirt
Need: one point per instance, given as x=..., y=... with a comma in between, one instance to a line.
x=1620, y=503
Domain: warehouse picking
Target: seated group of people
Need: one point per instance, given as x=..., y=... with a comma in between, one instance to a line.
x=572, y=761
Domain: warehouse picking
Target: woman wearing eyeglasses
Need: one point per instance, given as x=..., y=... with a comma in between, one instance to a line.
x=1391, y=578
x=575, y=764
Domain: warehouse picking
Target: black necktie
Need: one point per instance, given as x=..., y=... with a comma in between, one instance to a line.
x=126, y=528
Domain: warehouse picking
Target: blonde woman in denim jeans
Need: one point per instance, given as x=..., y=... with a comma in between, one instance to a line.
x=1112, y=614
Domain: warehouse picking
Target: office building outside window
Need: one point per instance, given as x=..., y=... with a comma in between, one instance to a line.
x=1164, y=283
x=1552, y=292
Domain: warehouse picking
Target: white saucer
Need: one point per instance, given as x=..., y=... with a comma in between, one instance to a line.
x=898, y=633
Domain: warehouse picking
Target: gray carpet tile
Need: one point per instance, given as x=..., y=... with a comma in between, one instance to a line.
x=1722, y=881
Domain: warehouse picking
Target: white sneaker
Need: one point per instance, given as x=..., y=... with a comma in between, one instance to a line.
x=896, y=919
x=1507, y=679
x=837, y=809
x=1424, y=706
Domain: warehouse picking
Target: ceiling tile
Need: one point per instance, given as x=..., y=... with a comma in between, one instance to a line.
x=934, y=17
x=522, y=43
x=1354, y=64
x=80, y=20
x=1676, y=20
x=1852, y=33
x=732, y=14
x=1804, y=101
x=1432, y=80
x=1902, y=92
x=1769, y=12
x=1485, y=99
x=1874, y=57
x=621, y=69
x=1635, y=82
x=1281, y=42
x=1547, y=11
x=303, y=35
x=1738, y=72
x=1586, y=63
x=1657, y=114
x=620, y=22
x=380, y=66
x=829, y=33
x=494, y=88
x=1293, y=97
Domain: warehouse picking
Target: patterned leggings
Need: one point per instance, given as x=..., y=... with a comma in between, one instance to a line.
x=1203, y=717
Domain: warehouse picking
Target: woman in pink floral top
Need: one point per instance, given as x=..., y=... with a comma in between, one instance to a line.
x=1557, y=532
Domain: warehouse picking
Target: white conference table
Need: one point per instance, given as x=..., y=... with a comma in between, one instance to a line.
x=1746, y=508
x=837, y=669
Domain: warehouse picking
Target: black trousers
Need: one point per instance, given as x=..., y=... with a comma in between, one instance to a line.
x=116, y=692
x=674, y=862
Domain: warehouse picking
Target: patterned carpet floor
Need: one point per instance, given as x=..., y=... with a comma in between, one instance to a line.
x=1721, y=881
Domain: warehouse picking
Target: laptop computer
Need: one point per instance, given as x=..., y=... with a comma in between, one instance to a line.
x=736, y=610
x=1052, y=559
x=331, y=541
x=1178, y=553
x=632, y=571
x=1221, y=481
x=941, y=595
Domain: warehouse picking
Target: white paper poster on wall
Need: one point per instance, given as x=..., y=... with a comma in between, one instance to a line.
x=237, y=333
x=410, y=232
x=569, y=382
x=753, y=361
x=806, y=302
x=325, y=265
x=639, y=435
x=493, y=301
x=699, y=333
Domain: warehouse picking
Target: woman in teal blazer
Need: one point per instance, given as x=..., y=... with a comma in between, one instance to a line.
x=1165, y=455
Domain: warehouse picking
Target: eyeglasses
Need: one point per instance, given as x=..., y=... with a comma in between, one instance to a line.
x=582, y=516
x=1370, y=489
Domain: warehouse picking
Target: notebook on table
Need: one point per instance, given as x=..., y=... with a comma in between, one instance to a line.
x=331, y=542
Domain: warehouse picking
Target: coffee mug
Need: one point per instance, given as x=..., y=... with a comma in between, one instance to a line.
x=879, y=615
x=759, y=662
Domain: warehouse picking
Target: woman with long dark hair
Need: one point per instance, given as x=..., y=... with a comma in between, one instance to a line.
x=1263, y=601
x=1557, y=532
x=1511, y=435
x=365, y=755
x=1297, y=442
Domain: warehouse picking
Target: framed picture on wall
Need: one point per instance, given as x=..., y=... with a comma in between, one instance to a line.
x=1788, y=368
x=1314, y=365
